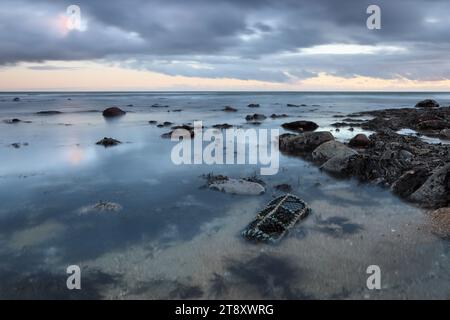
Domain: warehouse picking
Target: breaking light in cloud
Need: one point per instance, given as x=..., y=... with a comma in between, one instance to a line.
x=224, y=45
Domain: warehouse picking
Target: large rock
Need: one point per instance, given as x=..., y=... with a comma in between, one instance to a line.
x=113, y=112
x=237, y=186
x=410, y=181
x=359, y=141
x=338, y=164
x=303, y=142
x=435, y=192
x=428, y=103
x=433, y=125
x=300, y=126
x=329, y=149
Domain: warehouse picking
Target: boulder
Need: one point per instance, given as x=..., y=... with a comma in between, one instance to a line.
x=329, y=149
x=300, y=126
x=108, y=142
x=229, y=109
x=113, y=112
x=445, y=133
x=304, y=142
x=410, y=181
x=359, y=141
x=338, y=164
x=255, y=117
x=427, y=103
x=435, y=192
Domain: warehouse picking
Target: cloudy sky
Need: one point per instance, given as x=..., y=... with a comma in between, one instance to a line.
x=225, y=45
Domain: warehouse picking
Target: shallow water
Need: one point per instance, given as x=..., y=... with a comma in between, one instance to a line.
x=174, y=239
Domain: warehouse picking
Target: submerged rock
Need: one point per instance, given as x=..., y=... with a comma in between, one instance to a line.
x=294, y=105
x=300, y=126
x=330, y=149
x=113, y=112
x=100, y=207
x=108, y=142
x=235, y=186
x=303, y=142
x=157, y=105
x=16, y=99
x=276, y=116
x=272, y=222
x=12, y=121
x=253, y=105
x=48, y=113
x=428, y=103
x=284, y=187
x=338, y=164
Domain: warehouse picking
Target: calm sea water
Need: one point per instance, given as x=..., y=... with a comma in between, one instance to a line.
x=174, y=239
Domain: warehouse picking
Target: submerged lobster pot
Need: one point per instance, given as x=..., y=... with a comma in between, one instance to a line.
x=272, y=222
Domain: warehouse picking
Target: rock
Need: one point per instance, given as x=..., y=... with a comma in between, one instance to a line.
x=303, y=142
x=338, y=164
x=236, y=186
x=276, y=116
x=329, y=149
x=300, y=126
x=229, y=109
x=435, y=192
x=165, y=124
x=113, y=112
x=12, y=121
x=253, y=105
x=153, y=122
x=15, y=145
x=433, y=125
x=186, y=127
x=359, y=141
x=445, y=133
x=255, y=117
x=48, y=113
x=157, y=105
x=222, y=126
x=410, y=181
x=108, y=142
x=428, y=103
x=292, y=105
x=16, y=99
x=283, y=187
x=440, y=222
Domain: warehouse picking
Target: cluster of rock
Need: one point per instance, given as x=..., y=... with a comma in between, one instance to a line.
x=415, y=170
x=427, y=119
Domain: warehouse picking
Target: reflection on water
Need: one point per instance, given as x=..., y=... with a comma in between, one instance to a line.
x=174, y=239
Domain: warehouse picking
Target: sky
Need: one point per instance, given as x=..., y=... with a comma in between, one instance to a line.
x=298, y=45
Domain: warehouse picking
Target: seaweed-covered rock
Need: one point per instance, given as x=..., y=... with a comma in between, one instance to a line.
x=427, y=103
x=300, y=126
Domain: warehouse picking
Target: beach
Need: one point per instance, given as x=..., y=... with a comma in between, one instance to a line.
x=141, y=227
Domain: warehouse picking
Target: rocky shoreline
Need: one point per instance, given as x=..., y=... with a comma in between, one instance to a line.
x=413, y=169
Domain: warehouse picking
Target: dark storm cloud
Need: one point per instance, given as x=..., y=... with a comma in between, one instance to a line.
x=233, y=38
